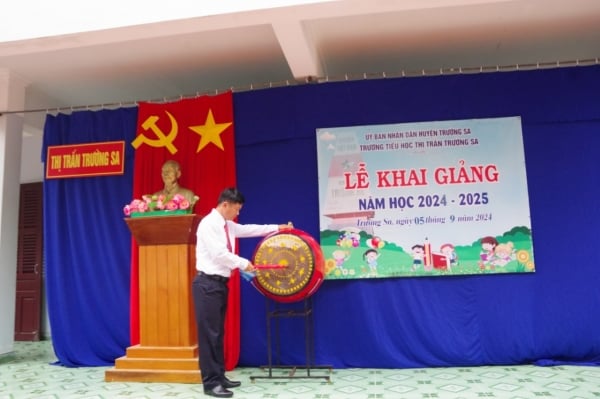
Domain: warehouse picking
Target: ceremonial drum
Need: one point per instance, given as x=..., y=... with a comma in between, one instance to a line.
x=290, y=266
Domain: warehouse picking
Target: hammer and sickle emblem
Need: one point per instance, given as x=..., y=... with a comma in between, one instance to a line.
x=162, y=140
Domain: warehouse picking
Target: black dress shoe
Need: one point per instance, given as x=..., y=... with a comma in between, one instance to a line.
x=218, y=392
x=227, y=383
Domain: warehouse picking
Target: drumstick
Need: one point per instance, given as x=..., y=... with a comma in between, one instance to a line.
x=274, y=266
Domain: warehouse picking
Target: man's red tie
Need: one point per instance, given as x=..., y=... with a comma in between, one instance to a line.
x=229, y=247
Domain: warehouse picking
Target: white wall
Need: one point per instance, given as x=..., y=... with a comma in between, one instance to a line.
x=32, y=168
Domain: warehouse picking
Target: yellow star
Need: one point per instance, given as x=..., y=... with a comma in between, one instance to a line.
x=210, y=132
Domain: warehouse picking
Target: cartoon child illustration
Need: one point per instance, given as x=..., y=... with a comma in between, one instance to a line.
x=348, y=239
x=370, y=256
x=340, y=257
x=486, y=256
x=448, y=251
x=504, y=253
x=418, y=253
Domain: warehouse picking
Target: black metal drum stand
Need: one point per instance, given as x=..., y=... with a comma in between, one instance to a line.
x=277, y=311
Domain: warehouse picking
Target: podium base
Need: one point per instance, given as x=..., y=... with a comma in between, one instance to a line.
x=157, y=364
x=133, y=375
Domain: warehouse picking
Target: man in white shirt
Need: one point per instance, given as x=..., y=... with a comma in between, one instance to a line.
x=215, y=260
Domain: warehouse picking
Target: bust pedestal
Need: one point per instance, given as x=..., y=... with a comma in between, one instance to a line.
x=168, y=348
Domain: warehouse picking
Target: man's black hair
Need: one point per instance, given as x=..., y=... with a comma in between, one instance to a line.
x=232, y=195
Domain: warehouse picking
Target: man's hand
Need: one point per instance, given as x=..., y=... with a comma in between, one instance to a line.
x=287, y=226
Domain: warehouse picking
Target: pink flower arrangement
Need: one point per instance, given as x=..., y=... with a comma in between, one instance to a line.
x=150, y=203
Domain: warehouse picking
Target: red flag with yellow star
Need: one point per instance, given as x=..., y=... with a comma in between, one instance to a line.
x=199, y=134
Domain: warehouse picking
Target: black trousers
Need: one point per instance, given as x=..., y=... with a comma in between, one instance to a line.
x=210, y=304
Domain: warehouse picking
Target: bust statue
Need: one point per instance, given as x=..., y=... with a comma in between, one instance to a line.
x=171, y=172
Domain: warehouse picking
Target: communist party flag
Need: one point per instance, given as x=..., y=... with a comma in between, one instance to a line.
x=199, y=134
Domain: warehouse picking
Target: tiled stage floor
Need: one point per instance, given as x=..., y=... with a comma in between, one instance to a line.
x=28, y=374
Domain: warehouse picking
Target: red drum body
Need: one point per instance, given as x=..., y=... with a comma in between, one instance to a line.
x=290, y=266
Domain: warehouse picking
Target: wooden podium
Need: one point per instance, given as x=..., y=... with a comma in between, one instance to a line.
x=168, y=348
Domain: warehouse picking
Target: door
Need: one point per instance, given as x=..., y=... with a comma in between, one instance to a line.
x=29, y=264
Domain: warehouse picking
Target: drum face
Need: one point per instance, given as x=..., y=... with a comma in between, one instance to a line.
x=292, y=266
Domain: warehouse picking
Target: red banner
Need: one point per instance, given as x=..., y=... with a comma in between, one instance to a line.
x=81, y=160
x=198, y=133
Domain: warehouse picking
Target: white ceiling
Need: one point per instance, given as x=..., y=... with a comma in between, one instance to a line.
x=271, y=47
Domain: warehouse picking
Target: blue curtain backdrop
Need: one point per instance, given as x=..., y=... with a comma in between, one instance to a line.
x=548, y=317
x=545, y=317
x=87, y=244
